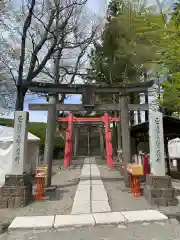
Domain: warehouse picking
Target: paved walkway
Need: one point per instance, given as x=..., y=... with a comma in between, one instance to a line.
x=91, y=205
x=91, y=195
x=60, y=201
x=99, y=200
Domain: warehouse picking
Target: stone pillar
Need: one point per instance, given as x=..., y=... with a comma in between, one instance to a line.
x=119, y=134
x=17, y=190
x=76, y=139
x=88, y=133
x=126, y=142
x=50, y=135
x=102, y=141
x=158, y=189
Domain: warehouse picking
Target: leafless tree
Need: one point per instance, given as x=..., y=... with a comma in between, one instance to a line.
x=47, y=30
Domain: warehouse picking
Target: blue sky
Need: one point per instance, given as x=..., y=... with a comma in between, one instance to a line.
x=41, y=116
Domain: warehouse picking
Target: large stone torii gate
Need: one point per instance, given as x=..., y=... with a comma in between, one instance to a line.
x=158, y=189
x=88, y=92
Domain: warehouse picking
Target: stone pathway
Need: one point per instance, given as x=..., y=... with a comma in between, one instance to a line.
x=90, y=207
x=91, y=195
x=85, y=220
x=60, y=201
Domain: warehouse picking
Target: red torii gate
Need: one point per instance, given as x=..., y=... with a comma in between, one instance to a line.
x=68, y=145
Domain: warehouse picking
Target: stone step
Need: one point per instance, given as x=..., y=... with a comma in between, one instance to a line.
x=80, y=220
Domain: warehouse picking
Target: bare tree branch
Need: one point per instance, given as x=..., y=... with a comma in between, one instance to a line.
x=26, y=26
x=39, y=46
x=10, y=70
x=52, y=30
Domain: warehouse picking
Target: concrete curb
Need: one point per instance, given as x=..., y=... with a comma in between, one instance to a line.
x=86, y=220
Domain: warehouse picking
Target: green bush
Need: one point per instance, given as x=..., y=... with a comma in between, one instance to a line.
x=39, y=130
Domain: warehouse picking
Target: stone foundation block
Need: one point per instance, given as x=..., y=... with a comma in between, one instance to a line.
x=20, y=202
x=3, y=202
x=17, y=180
x=16, y=192
x=163, y=201
x=159, y=191
x=10, y=202
x=158, y=181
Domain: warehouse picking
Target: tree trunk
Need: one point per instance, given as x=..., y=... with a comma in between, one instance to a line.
x=21, y=92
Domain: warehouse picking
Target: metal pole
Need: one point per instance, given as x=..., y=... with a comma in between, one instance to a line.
x=50, y=136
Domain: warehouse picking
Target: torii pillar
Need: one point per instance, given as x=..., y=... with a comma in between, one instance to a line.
x=76, y=140
x=126, y=141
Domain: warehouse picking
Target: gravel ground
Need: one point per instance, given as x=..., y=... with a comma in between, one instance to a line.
x=60, y=201
x=120, y=200
x=153, y=231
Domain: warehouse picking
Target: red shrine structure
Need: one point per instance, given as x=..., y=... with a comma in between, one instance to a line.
x=106, y=119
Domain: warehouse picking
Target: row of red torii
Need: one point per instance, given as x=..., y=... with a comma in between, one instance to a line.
x=70, y=119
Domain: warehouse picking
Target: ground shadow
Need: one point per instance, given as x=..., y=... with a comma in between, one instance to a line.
x=67, y=185
x=55, y=195
x=103, y=178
